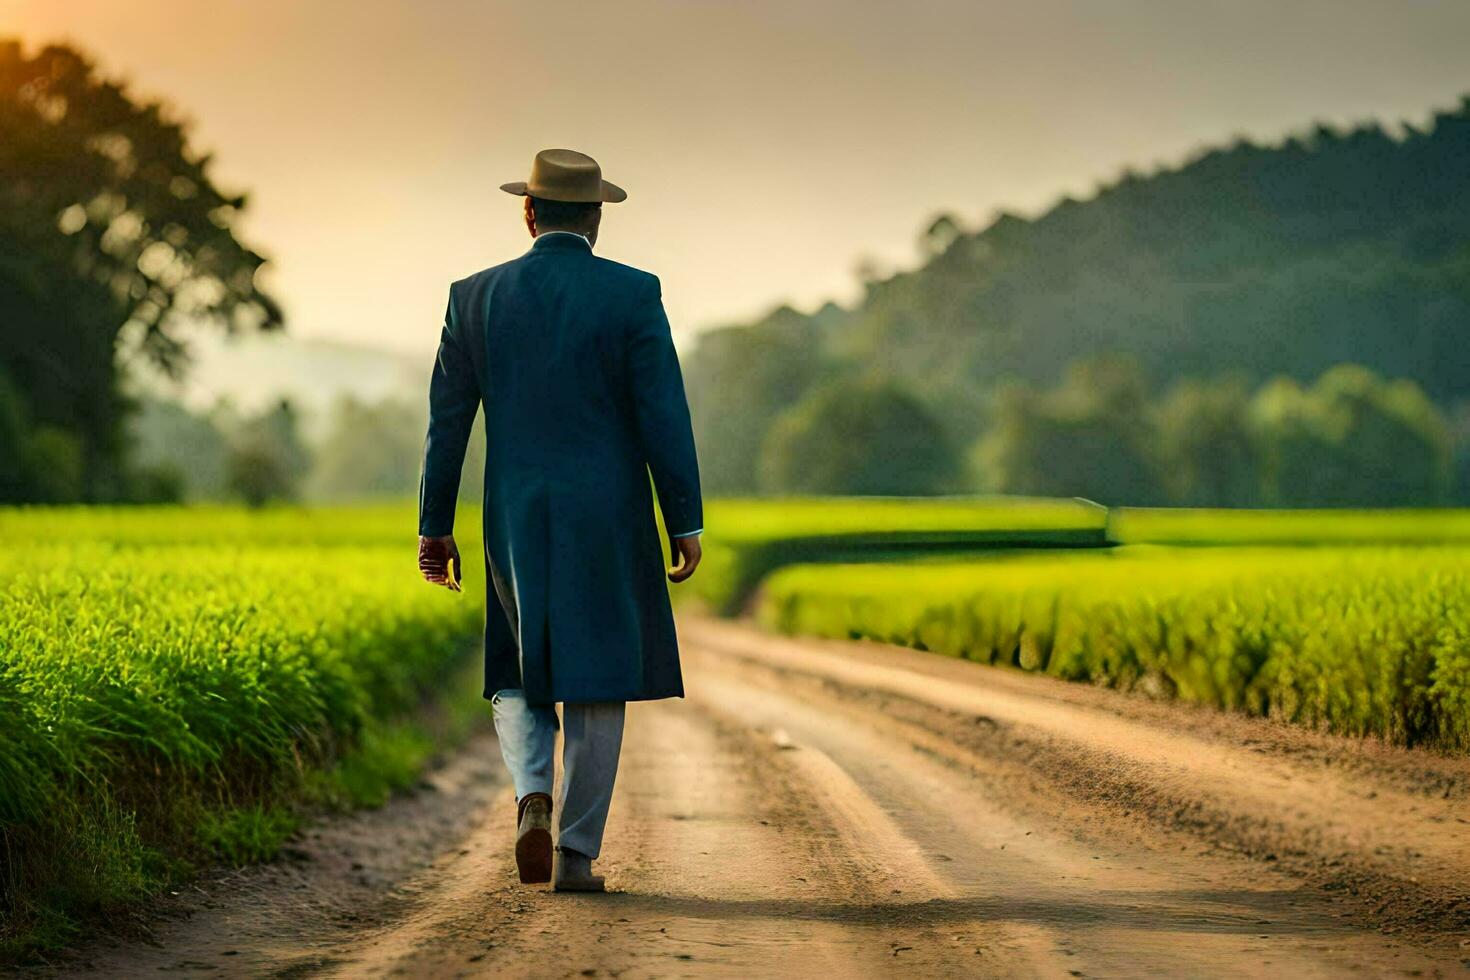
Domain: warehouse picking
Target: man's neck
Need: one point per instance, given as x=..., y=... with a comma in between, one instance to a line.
x=562, y=231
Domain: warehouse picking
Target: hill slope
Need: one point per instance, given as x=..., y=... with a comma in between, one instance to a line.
x=1334, y=246
x=1257, y=260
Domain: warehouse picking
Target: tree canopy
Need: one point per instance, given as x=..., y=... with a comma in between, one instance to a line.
x=114, y=244
x=867, y=437
x=1086, y=438
x=1335, y=246
x=1348, y=439
x=739, y=380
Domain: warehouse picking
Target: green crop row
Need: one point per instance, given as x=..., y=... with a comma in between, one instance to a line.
x=172, y=682
x=1357, y=640
x=1189, y=526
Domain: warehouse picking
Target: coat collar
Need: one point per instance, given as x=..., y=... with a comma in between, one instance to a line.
x=560, y=240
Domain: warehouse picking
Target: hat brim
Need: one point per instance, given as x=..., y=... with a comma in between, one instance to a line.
x=611, y=193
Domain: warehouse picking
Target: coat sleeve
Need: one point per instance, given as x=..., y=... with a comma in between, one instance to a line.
x=454, y=398
x=662, y=412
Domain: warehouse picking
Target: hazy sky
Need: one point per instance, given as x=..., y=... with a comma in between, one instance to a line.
x=765, y=144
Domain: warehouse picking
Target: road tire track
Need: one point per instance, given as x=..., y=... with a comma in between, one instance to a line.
x=819, y=809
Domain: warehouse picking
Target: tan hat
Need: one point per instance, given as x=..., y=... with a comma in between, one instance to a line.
x=566, y=175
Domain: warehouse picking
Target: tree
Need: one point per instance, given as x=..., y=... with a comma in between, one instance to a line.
x=258, y=477
x=859, y=437
x=375, y=449
x=739, y=379
x=1204, y=445
x=42, y=464
x=165, y=436
x=370, y=450
x=1089, y=437
x=268, y=460
x=114, y=240
x=1459, y=423
x=939, y=235
x=1351, y=439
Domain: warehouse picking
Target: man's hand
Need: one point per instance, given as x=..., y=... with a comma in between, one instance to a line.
x=435, y=557
x=687, y=550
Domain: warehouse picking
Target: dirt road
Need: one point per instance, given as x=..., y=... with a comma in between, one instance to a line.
x=818, y=809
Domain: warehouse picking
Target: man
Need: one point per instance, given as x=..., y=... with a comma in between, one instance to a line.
x=571, y=356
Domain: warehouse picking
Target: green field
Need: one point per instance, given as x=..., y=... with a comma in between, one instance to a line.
x=1364, y=640
x=178, y=683
x=175, y=683
x=748, y=539
x=1353, y=621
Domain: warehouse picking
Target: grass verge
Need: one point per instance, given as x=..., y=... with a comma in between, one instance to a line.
x=106, y=859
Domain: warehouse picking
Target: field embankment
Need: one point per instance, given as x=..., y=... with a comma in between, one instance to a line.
x=176, y=682
x=749, y=539
x=1297, y=528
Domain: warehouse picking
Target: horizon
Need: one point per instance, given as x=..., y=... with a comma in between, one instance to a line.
x=374, y=212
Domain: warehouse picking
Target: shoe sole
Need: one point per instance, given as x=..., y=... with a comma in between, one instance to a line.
x=533, y=856
x=586, y=887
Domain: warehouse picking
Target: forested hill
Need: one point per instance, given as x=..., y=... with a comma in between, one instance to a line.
x=1334, y=246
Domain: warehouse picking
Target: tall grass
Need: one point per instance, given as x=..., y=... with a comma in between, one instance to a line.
x=173, y=681
x=1359, y=640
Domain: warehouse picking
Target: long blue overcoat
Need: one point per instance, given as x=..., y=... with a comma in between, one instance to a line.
x=571, y=356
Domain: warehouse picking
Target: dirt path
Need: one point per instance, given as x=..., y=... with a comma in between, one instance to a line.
x=845, y=810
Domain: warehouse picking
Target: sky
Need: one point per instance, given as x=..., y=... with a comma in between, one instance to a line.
x=767, y=145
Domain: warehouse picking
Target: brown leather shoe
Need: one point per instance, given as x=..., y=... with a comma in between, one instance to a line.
x=533, y=838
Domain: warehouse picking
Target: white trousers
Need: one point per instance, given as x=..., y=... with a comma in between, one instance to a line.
x=592, y=740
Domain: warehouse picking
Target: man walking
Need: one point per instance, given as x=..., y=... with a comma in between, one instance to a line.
x=571, y=356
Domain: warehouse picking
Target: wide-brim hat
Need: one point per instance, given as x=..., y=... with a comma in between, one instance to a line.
x=566, y=175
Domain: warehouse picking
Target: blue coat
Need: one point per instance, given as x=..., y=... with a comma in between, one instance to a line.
x=571, y=356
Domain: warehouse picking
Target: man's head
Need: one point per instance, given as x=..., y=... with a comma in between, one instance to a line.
x=565, y=193
x=578, y=217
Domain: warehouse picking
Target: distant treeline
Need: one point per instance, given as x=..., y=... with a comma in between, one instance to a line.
x=362, y=451
x=1348, y=438
x=1122, y=348
x=1249, y=263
